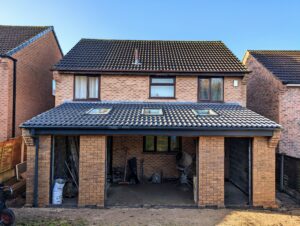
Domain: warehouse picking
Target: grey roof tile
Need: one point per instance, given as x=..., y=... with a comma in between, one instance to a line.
x=155, y=56
x=13, y=36
x=128, y=115
x=284, y=64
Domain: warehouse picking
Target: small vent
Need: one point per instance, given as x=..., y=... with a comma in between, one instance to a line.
x=136, y=57
x=99, y=111
x=152, y=111
x=204, y=112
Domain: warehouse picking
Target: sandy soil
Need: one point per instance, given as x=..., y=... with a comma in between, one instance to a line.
x=155, y=217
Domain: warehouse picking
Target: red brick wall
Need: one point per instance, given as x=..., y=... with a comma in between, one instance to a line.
x=211, y=171
x=269, y=97
x=64, y=87
x=153, y=163
x=289, y=118
x=263, y=172
x=6, y=81
x=136, y=88
x=44, y=172
x=263, y=90
x=34, y=78
x=92, y=163
x=235, y=94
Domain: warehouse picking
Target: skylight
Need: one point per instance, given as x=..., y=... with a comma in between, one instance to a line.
x=152, y=111
x=99, y=111
x=204, y=112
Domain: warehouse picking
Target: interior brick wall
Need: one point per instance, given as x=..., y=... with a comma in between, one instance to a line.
x=43, y=169
x=136, y=88
x=153, y=163
x=34, y=78
x=92, y=164
x=263, y=172
x=6, y=81
x=211, y=171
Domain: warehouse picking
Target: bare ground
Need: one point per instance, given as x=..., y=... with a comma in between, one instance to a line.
x=155, y=217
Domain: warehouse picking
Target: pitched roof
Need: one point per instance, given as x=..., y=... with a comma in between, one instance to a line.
x=128, y=115
x=12, y=38
x=284, y=64
x=154, y=56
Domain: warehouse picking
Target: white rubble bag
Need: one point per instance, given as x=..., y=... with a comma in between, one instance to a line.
x=57, y=194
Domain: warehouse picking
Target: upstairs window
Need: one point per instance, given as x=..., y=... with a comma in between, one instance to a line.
x=211, y=89
x=86, y=88
x=162, y=144
x=162, y=87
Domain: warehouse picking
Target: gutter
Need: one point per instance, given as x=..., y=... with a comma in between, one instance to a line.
x=13, y=129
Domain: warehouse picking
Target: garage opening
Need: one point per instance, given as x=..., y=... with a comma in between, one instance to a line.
x=150, y=171
x=64, y=171
x=238, y=155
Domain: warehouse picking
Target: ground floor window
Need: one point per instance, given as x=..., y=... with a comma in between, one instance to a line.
x=162, y=144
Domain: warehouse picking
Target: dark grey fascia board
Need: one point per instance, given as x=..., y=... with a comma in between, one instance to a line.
x=146, y=73
x=165, y=132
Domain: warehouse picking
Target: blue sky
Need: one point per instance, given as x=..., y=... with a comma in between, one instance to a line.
x=241, y=25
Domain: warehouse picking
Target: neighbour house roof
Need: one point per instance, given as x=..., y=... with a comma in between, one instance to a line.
x=284, y=64
x=152, y=56
x=15, y=38
x=129, y=115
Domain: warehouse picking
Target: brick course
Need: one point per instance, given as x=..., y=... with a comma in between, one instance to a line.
x=92, y=171
x=211, y=171
x=136, y=88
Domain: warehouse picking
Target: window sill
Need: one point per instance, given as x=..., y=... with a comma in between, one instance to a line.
x=163, y=98
x=86, y=99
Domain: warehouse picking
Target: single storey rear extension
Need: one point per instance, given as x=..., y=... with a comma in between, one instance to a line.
x=149, y=117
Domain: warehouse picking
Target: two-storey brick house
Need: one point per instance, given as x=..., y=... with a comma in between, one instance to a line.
x=274, y=91
x=27, y=54
x=150, y=102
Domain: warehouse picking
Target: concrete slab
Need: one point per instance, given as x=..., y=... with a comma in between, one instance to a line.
x=166, y=194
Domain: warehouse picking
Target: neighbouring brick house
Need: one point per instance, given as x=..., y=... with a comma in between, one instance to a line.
x=154, y=101
x=274, y=91
x=26, y=56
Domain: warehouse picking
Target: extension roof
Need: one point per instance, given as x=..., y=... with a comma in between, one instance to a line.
x=284, y=64
x=96, y=55
x=14, y=38
x=128, y=115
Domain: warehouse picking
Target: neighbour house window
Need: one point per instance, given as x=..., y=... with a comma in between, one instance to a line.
x=211, y=89
x=86, y=87
x=162, y=87
x=162, y=144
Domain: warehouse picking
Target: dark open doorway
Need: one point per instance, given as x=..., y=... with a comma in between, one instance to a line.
x=238, y=175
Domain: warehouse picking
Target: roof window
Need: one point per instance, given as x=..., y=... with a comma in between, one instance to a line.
x=98, y=111
x=152, y=111
x=204, y=112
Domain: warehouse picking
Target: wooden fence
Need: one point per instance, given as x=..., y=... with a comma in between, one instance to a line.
x=11, y=153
